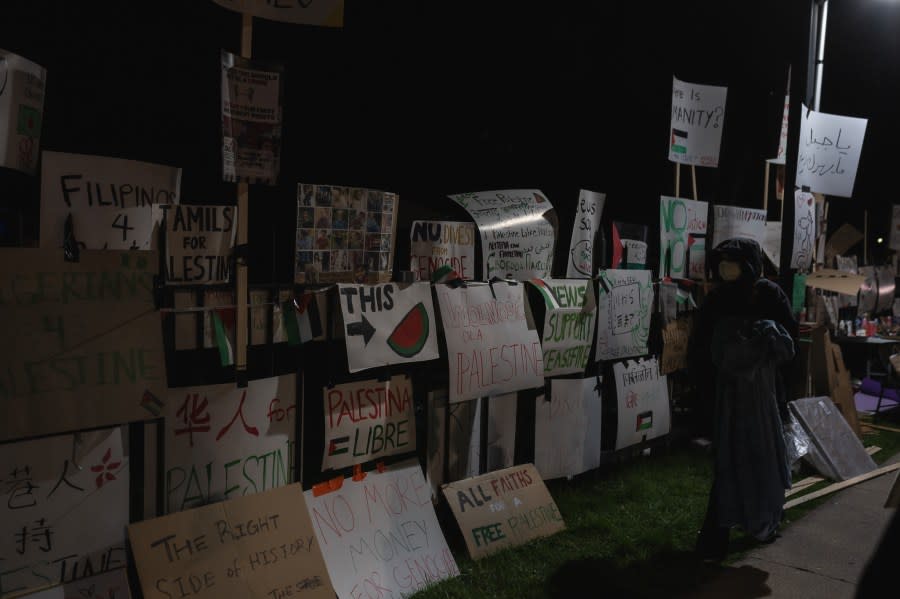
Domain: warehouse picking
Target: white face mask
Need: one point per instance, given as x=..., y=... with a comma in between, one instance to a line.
x=729, y=271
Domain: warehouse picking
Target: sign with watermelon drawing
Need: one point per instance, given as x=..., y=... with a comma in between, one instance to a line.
x=568, y=324
x=642, y=402
x=388, y=324
x=624, y=303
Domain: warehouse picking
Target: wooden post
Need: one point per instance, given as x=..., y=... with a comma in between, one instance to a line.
x=677, y=179
x=694, y=179
x=243, y=194
x=865, y=236
x=766, y=191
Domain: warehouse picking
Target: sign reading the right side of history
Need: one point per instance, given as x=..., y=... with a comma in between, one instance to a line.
x=21, y=111
x=828, y=154
x=698, y=113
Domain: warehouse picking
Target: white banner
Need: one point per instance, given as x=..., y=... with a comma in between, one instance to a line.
x=624, y=305
x=324, y=13
x=198, y=242
x=804, y=230
x=437, y=243
x=21, y=111
x=828, y=153
x=642, y=402
x=568, y=324
x=682, y=238
x=580, y=262
x=698, y=113
x=567, y=428
x=734, y=221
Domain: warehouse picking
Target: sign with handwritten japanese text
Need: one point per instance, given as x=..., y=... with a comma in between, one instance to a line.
x=698, y=113
x=368, y=420
x=380, y=534
x=324, y=13
x=490, y=348
x=682, y=234
x=64, y=510
x=112, y=584
x=255, y=547
x=734, y=221
x=388, y=324
x=21, y=111
x=828, y=153
x=437, y=243
x=580, y=263
x=642, y=402
x=624, y=305
x=83, y=341
x=568, y=324
x=110, y=199
x=804, y=230
x=567, y=428
x=198, y=242
x=224, y=441
x=517, y=238
x=344, y=234
x=504, y=508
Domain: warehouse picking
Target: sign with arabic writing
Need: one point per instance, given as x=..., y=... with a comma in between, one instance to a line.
x=829, y=151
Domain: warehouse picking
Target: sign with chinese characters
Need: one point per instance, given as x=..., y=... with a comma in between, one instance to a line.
x=198, y=243
x=567, y=428
x=624, y=305
x=734, y=221
x=568, y=324
x=698, y=113
x=642, y=402
x=437, y=243
x=682, y=238
x=580, y=262
x=324, y=13
x=21, y=111
x=828, y=152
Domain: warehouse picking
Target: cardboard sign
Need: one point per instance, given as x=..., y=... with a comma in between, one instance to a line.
x=698, y=113
x=388, y=324
x=838, y=281
x=110, y=199
x=259, y=546
x=624, y=305
x=490, y=348
x=198, y=242
x=642, y=402
x=845, y=238
x=83, y=341
x=21, y=111
x=567, y=428
x=344, y=234
x=568, y=324
x=804, y=230
x=682, y=233
x=224, y=441
x=675, y=344
x=325, y=13
x=580, y=264
x=380, y=534
x=734, y=221
x=828, y=152
x=64, y=509
x=504, y=508
x=516, y=236
x=437, y=243
x=368, y=420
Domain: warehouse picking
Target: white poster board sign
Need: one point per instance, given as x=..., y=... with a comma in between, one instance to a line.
x=198, y=242
x=501, y=432
x=437, y=243
x=828, y=153
x=642, y=402
x=772, y=242
x=698, y=113
x=804, y=230
x=490, y=348
x=21, y=111
x=580, y=262
x=624, y=306
x=682, y=237
x=567, y=428
x=517, y=239
x=324, y=13
x=782, y=136
x=894, y=240
x=448, y=438
x=568, y=324
x=734, y=221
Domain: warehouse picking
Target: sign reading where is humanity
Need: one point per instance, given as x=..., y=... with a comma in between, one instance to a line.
x=490, y=348
x=517, y=236
x=698, y=113
x=437, y=243
x=380, y=535
x=83, y=341
x=64, y=504
x=624, y=303
x=504, y=508
x=325, y=13
x=224, y=441
x=368, y=420
x=568, y=324
x=828, y=152
x=580, y=263
x=110, y=199
x=733, y=221
x=388, y=324
x=682, y=243
x=642, y=402
x=198, y=243
x=256, y=547
x=21, y=111
x=567, y=428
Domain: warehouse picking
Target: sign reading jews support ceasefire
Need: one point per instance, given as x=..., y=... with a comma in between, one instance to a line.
x=437, y=243
x=624, y=304
x=368, y=420
x=568, y=324
x=198, y=243
x=580, y=262
x=642, y=402
x=567, y=428
x=503, y=509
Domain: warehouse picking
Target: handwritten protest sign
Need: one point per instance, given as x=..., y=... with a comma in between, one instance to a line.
x=224, y=441
x=698, y=113
x=110, y=200
x=258, y=547
x=829, y=151
x=344, y=234
x=112, y=584
x=642, y=402
x=83, y=341
x=734, y=221
x=567, y=428
x=682, y=238
x=675, y=337
x=624, y=305
x=490, y=348
x=437, y=243
x=568, y=324
x=516, y=236
x=198, y=242
x=580, y=263
x=634, y=254
x=325, y=13
x=64, y=509
x=381, y=535
x=448, y=439
x=21, y=111
x=804, y=230
x=503, y=509
x=388, y=324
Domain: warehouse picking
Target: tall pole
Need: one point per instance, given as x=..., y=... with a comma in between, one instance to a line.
x=243, y=193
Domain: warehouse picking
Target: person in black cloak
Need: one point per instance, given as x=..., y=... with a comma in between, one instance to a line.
x=741, y=345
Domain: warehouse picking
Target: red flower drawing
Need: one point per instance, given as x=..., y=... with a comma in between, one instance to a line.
x=106, y=470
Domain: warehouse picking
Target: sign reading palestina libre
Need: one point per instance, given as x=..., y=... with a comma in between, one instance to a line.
x=21, y=111
x=698, y=113
x=324, y=13
x=570, y=311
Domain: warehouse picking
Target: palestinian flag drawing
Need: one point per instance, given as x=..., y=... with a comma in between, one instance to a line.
x=679, y=141
x=29, y=121
x=223, y=323
x=546, y=293
x=644, y=421
x=151, y=403
x=333, y=448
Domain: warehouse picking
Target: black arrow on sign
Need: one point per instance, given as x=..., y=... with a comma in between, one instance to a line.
x=363, y=328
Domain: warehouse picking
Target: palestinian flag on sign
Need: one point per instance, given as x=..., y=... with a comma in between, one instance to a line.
x=29, y=121
x=223, y=324
x=546, y=293
x=644, y=421
x=679, y=141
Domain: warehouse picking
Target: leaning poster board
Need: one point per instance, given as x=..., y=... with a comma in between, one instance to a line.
x=567, y=428
x=502, y=509
x=83, y=344
x=254, y=547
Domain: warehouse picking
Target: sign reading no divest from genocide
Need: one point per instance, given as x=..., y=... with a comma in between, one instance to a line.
x=388, y=324
x=368, y=420
x=642, y=402
x=503, y=509
x=198, y=243
x=624, y=302
x=437, y=243
x=568, y=324
x=698, y=113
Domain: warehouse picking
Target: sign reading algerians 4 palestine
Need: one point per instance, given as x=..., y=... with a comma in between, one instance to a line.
x=21, y=111
x=388, y=324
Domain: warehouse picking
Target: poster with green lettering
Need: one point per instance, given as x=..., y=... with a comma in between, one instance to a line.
x=569, y=314
x=83, y=345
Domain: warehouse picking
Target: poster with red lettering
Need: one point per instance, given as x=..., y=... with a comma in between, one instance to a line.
x=624, y=305
x=490, y=348
x=437, y=243
x=642, y=402
x=368, y=420
x=567, y=428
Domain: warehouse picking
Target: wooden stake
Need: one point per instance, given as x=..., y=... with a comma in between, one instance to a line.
x=766, y=190
x=842, y=485
x=694, y=179
x=677, y=179
x=243, y=195
x=865, y=236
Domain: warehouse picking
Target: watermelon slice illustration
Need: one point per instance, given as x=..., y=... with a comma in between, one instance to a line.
x=410, y=335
